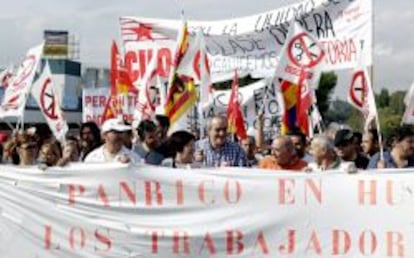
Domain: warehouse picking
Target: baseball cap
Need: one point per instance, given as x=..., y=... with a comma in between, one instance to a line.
x=115, y=124
x=343, y=136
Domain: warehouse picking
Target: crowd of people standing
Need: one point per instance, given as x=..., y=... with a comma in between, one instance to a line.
x=147, y=142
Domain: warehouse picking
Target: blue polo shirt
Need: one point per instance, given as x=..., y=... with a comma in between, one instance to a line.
x=389, y=162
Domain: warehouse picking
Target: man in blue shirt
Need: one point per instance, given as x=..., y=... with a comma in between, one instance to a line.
x=216, y=150
x=401, y=154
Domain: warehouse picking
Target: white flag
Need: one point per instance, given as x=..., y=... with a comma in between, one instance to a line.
x=46, y=96
x=301, y=57
x=408, y=117
x=15, y=96
x=361, y=95
x=148, y=96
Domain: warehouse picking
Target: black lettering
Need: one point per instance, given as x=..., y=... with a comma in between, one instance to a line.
x=235, y=46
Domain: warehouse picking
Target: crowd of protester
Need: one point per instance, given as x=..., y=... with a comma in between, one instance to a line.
x=147, y=142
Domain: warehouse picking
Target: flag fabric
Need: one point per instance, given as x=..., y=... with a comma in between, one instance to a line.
x=181, y=90
x=148, y=96
x=301, y=57
x=46, y=95
x=121, y=87
x=15, y=96
x=235, y=124
x=361, y=96
x=408, y=117
x=6, y=76
x=299, y=69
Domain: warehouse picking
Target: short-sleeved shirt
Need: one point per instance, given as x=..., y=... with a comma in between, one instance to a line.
x=100, y=155
x=230, y=153
x=389, y=162
x=270, y=163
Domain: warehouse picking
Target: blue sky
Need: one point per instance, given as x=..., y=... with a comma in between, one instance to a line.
x=95, y=23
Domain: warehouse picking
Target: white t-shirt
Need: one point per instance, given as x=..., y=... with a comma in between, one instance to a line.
x=101, y=155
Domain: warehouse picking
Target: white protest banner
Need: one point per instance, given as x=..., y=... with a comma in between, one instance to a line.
x=255, y=98
x=95, y=100
x=46, y=95
x=252, y=44
x=16, y=94
x=129, y=211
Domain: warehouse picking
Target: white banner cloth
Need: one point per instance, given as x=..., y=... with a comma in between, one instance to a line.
x=120, y=211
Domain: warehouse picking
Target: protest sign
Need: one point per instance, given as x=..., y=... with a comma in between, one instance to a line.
x=90, y=210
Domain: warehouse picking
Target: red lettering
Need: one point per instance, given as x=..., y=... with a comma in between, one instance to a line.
x=340, y=247
x=286, y=187
x=372, y=243
x=227, y=192
x=398, y=243
x=234, y=237
x=390, y=193
x=81, y=236
x=125, y=188
x=209, y=243
x=315, y=189
x=184, y=237
x=164, y=62
x=314, y=244
x=261, y=242
x=130, y=61
x=103, y=196
x=103, y=239
x=180, y=192
x=48, y=238
x=202, y=192
x=149, y=191
x=74, y=191
x=371, y=192
x=290, y=248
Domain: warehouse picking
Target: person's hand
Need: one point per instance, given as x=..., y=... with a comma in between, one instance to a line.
x=124, y=159
x=381, y=164
x=199, y=156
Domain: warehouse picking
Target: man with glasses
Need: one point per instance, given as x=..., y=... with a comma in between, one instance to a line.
x=113, y=149
x=216, y=150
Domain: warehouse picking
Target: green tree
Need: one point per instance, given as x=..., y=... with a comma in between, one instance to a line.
x=383, y=99
x=323, y=93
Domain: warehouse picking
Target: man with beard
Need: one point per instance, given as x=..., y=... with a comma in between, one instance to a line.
x=149, y=143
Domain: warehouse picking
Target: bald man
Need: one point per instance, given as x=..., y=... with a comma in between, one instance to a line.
x=283, y=157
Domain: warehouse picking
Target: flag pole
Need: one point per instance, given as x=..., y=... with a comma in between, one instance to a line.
x=380, y=142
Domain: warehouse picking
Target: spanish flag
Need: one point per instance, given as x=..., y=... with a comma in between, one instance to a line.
x=181, y=91
x=235, y=124
x=297, y=99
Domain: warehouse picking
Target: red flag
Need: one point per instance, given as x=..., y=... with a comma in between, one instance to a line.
x=234, y=113
x=121, y=86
